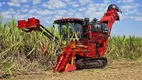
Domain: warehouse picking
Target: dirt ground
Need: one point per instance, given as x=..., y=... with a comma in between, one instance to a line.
x=122, y=70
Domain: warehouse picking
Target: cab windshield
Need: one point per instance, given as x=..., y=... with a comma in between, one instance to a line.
x=66, y=29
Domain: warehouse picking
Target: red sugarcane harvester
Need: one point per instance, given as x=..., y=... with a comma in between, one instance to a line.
x=87, y=39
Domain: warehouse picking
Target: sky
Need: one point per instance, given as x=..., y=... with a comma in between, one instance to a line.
x=49, y=10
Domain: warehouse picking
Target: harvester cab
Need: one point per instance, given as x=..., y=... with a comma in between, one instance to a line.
x=69, y=26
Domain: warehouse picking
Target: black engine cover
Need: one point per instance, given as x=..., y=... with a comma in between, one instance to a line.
x=100, y=27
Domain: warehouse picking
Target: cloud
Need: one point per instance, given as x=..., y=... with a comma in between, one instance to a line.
x=8, y=14
x=130, y=11
x=0, y=4
x=71, y=12
x=138, y=18
x=45, y=12
x=58, y=17
x=19, y=1
x=48, y=21
x=130, y=6
x=82, y=9
x=36, y=1
x=26, y=6
x=79, y=15
x=20, y=16
x=75, y=5
x=83, y=2
x=125, y=1
x=61, y=12
x=55, y=4
x=24, y=10
x=13, y=4
x=41, y=12
x=44, y=5
x=106, y=1
x=67, y=0
x=95, y=10
x=16, y=3
x=33, y=11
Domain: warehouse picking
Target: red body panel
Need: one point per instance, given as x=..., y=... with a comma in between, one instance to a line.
x=22, y=24
x=32, y=23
